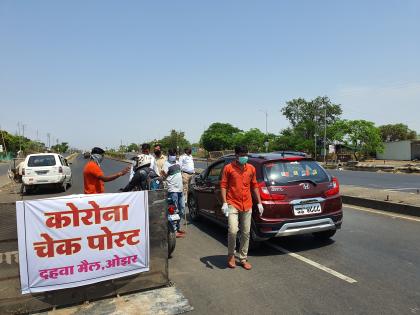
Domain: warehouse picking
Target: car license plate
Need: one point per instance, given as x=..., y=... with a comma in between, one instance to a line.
x=174, y=217
x=309, y=208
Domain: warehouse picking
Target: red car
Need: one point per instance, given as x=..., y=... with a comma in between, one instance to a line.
x=298, y=196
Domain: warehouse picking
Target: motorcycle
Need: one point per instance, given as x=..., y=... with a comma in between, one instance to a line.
x=173, y=221
x=173, y=217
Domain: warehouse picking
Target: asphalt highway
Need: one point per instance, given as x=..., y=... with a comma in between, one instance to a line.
x=372, y=265
x=408, y=183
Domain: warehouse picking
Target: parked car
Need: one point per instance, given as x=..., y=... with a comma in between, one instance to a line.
x=45, y=169
x=86, y=155
x=298, y=196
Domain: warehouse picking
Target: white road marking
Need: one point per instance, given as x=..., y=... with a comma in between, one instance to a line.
x=396, y=189
x=388, y=214
x=312, y=263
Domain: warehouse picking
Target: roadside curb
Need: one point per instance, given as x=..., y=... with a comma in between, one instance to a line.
x=116, y=159
x=72, y=156
x=385, y=206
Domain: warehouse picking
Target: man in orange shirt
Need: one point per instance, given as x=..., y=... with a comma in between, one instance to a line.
x=238, y=179
x=93, y=176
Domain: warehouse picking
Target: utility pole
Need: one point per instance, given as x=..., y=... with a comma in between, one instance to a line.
x=49, y=140
x=266, y=143
x=20, y=139
x=266, y=120
x=315, y=135
x=325, y=134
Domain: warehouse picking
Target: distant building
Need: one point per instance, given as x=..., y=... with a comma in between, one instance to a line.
x=406, y=150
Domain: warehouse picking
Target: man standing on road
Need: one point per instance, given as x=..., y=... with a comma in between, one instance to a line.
x=172, y=172
x=187, y=168
x=93, y=177
x=159, y=157
x=145, y=149
x=238, y=179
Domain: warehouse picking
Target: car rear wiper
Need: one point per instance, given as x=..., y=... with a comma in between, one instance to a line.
x=303, y=180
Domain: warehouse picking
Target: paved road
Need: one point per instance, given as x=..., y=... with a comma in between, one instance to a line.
x=370, y=249
x=408, y=183
x=109, y=167
x=290, y=275
x=3, y=168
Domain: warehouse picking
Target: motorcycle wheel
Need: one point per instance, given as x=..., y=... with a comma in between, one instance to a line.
x=171, y=242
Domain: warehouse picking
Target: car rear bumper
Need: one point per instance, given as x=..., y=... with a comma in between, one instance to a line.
x=44, y=180
x=298, y=227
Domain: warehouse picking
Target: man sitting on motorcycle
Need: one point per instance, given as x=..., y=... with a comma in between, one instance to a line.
x=143, y=175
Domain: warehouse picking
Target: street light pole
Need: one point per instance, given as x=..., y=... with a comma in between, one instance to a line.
x=325, y=134
x=266, y=143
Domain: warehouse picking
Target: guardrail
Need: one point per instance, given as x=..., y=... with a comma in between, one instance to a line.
x=13, y=302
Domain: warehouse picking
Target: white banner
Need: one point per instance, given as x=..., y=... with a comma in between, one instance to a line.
x=76, y=240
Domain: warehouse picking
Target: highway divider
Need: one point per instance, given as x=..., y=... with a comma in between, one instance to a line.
x=383, y=200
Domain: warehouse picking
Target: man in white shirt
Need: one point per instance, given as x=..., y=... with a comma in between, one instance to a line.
x=172, y=173
x=145, y=149
x=187, y=169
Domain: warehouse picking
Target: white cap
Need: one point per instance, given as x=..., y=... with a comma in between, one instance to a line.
x=144, y=159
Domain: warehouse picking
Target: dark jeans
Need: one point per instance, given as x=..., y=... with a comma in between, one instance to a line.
x=178, y=200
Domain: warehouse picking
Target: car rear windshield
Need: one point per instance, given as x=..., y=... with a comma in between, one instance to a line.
x=288, y=172
x=41, y=160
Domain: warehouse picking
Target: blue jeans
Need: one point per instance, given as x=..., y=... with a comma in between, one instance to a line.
x=178, y=200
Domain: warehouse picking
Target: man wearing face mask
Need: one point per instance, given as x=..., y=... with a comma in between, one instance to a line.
x=238, y=180
x=93, y=176
x=159, y=157
x=172, y=174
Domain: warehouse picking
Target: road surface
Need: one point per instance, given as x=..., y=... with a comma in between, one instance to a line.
x=108, y=166
x=408, y=183
x=372, y=266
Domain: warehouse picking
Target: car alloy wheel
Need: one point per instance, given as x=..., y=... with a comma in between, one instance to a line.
x=193, y=208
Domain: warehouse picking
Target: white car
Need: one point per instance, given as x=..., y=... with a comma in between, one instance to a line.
x=45, y=169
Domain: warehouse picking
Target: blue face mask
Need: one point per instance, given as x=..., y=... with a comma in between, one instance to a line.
x=243, y=160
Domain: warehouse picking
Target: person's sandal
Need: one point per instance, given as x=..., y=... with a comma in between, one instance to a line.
x=246, y=265
x=231, y=262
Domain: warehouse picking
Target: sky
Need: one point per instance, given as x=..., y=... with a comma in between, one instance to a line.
x=101, y=73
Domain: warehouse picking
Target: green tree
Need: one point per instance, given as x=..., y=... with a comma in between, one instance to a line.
x=254, y=139
x=219, y=136
x=61, y=147
x=396, y=132
x=132, y=147
x=362, y=135
x=308, y=117
x=175, y=140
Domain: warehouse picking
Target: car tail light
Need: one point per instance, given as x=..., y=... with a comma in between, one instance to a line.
x=60, y=169
x=23, y=171
x=334, y=188
x=266, y=195
x=171, y=209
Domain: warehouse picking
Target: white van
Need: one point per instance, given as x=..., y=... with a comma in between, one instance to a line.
x=45, y=169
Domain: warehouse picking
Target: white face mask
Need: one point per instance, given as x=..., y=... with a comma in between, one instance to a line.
x=98, y=158
x=172, y=158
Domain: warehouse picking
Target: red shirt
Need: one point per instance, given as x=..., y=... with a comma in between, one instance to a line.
x=238, y=183
x=91, y=174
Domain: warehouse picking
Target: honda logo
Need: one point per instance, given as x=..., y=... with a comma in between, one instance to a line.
x=306, y=186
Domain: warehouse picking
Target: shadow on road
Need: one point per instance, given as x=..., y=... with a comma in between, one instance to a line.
x=298, y=243
x=216, y=261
